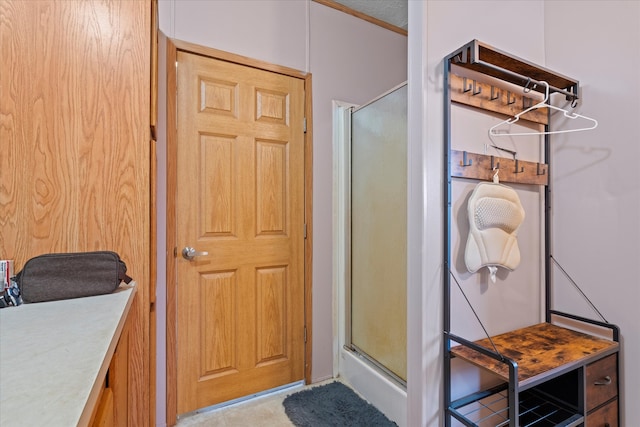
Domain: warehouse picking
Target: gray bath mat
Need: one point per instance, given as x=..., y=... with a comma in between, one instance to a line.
x=333, y=404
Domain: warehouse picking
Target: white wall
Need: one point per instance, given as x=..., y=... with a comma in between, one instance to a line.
x=596, y=215
x=270, y=30
x=350, y=60
x=597, y=236
x=354, y=61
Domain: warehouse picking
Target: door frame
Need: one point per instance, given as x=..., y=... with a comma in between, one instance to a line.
x=173, y=46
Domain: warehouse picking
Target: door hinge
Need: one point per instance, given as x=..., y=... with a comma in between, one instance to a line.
x=304, y=125
x=305, y=334
x=305, y=231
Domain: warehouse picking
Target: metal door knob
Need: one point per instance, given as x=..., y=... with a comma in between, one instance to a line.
x=190, y=253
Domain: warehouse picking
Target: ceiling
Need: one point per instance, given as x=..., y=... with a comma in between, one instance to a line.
x=393, y=12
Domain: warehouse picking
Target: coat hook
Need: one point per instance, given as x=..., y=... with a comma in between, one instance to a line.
x=461, y=57
x=526, y=88
x=574, y=102
x=465, y=161
x=495, y=94
x=476, y=91
x=519, y=169
x=495, y=165
x=526, y=102
x=509, y=100
x=466, y=88
x=541, y=170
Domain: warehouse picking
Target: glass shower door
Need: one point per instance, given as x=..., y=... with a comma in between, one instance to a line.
x=378, y=232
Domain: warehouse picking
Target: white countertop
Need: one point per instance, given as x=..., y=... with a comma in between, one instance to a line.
x=54, y=357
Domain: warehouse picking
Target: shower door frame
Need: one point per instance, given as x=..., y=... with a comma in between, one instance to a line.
x=376, y=383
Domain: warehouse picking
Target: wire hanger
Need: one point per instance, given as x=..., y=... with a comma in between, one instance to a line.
x=543, y=104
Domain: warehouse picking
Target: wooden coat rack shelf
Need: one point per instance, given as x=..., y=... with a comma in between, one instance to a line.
x=495, y=98
x=484, y=166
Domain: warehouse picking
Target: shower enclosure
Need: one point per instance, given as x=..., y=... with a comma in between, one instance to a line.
x=379, y=232
x=374, y=353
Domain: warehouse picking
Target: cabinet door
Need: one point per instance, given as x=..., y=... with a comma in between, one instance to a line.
x=602, y=381
x=104, y=412
x=118, y=377
x=607, y=416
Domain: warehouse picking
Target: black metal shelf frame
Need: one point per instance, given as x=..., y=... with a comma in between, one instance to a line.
x=485, y=59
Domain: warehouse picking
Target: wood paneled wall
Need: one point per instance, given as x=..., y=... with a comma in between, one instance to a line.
x=74, y=143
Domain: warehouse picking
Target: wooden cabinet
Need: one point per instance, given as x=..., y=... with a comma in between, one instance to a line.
x=104, y=411
x=551, y=362
x=75, y=164
x=602, y=392
x=112, y=407
x=75, y=361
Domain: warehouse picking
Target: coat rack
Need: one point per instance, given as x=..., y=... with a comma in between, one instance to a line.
x=532, y=363
x=495, y=98
x=483, y=167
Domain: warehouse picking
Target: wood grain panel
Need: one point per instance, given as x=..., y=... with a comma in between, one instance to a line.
x=104, y=412
x=271, y=287
x=499, y=60
x=167, y=56
x=74, y=112
x=272, y=106
x=118, y=378
x=168, y=50
x=272, y=185
x=607, y=416
x=479, y=166
x=538, y=349
x=218, y=97
x=219, y=304
x=153, y=121
x=602, y=381
x=267, y=174
x=76, y=176
x=217, y=204
x=495, y=98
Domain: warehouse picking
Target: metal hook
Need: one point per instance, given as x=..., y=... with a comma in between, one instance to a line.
x=466, y=88
x=495, y=165
x=476, y=92
x=544, y=170
x=509, y=100
x=465, y=161
x=526, y=101
x=527, y=89
x=519, y=170
x=461, y=57
x=495, y=94
x=574, y=103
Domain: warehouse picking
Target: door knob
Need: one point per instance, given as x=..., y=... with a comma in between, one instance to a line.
x=190, y=253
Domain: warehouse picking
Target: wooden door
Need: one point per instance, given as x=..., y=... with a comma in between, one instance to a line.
x=240, y=206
